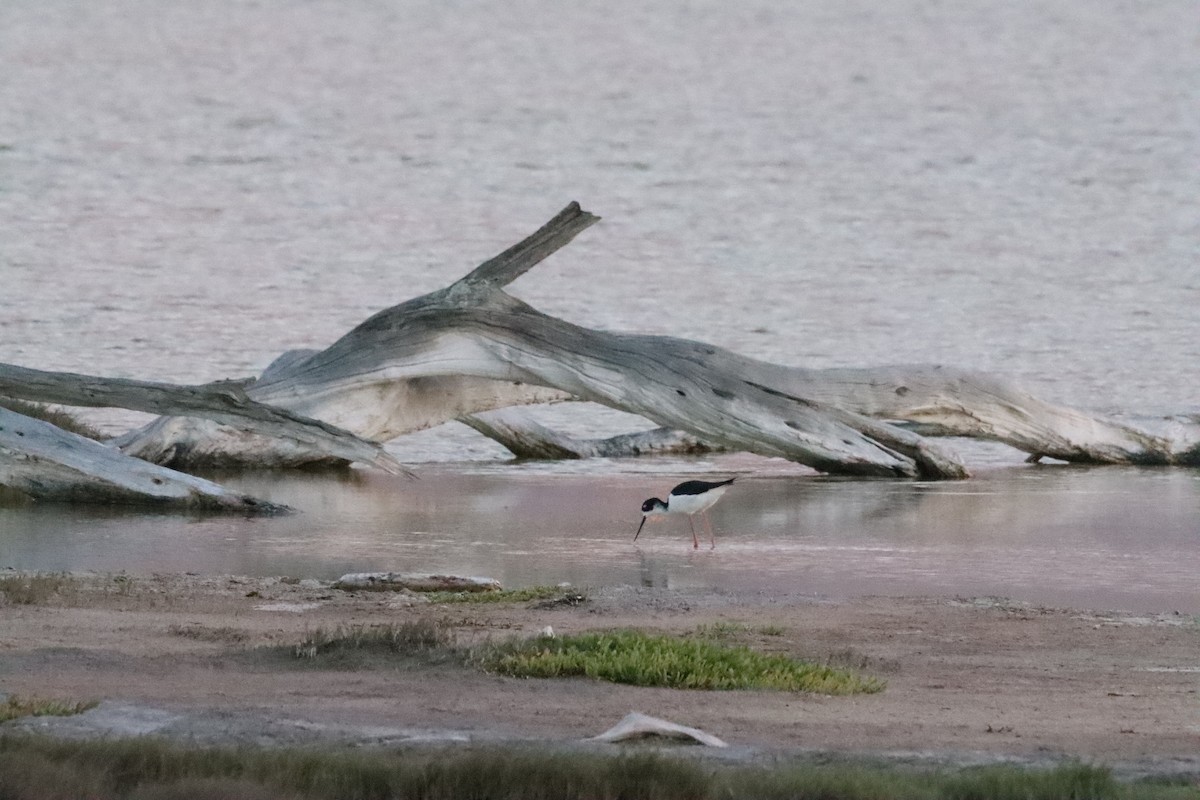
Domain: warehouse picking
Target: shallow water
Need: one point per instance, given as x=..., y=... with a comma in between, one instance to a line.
x=188, y=190
x=1112, y=538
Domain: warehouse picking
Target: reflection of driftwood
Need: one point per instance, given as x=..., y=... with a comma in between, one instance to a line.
x=472, y=348
x=44, y=461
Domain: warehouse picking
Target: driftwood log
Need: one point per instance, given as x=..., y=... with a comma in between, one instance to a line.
x=223, y=401
x=471, y=351
x=44, y=461
x=471, y=348
x=527, y=438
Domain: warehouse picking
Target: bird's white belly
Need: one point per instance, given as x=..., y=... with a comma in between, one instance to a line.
x=694, y=503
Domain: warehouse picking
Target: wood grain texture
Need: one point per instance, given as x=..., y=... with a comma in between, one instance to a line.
x=46, y=462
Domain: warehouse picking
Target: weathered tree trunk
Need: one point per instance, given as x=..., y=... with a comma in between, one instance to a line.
x=472, y=348
x=44, y=461
x=224, y=402
x=833, y=420
x=474, y=331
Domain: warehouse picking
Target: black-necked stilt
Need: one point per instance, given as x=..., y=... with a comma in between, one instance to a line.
x=689, y=497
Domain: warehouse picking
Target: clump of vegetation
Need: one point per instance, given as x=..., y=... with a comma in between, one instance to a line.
x=201, y=633
x=55, y=416
x=15, y=706
x=525, y=595
x=32, y=590
x=730, y=630
x=403, y=638
x=634, y=657
x=721, y=630
x=150, y=769
x=121, y=585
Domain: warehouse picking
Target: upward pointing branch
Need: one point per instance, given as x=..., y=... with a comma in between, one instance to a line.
x=523, y=256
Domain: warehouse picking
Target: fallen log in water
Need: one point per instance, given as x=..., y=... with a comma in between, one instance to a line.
x=834, y=420
x=224, y=401
x=471, y=348
x=44, y=461
x=490, y=349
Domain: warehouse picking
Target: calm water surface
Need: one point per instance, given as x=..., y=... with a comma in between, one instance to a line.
x=187, y=190
x=1098, y=538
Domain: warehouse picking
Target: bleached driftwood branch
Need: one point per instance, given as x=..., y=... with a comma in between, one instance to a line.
x=224, y=402
x=474, y=332
x=527, y=438
x=471, y=348
x=44, y=461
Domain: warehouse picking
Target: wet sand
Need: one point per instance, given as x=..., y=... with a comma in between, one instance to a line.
x=968, y=680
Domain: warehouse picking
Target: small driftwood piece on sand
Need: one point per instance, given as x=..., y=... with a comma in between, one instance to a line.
x=641, y=726
x=472, y=348
x=44, y=461
x=415, y=582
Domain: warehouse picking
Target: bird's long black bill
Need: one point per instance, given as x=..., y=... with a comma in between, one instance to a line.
x=639, y=533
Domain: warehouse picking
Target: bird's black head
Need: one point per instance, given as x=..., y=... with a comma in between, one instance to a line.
x=652, y=505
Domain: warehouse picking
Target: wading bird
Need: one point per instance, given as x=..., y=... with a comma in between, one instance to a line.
x=689, y=497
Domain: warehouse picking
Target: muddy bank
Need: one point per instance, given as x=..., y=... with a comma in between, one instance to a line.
x=197, y=658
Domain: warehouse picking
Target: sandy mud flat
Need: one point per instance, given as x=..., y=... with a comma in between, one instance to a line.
x=195, y=658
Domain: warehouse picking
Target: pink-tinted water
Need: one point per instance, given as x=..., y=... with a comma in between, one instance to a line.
x=189, y=189
x=1111, y=538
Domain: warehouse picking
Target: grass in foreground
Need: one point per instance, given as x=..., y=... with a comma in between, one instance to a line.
x=146, y=769
x=15, y=706
x=629, y=656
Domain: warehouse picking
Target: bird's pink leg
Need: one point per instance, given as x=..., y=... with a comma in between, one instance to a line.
x=695, y=541
x=711, y=533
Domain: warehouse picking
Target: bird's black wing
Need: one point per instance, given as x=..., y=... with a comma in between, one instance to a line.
x=698, y=487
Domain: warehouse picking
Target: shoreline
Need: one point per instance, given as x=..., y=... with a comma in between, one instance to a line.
x=970, y=680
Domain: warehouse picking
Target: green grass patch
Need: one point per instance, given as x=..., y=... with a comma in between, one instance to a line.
x=524, y=595
x=634, y=657
x=15, y=706
x=149, y=769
